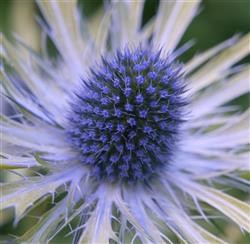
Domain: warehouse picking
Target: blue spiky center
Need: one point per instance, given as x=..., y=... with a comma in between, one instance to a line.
x=126, y=116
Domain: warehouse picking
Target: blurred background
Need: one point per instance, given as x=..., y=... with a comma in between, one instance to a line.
x=218, y=20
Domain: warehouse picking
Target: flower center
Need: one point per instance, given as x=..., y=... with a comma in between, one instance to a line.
x=125, y=120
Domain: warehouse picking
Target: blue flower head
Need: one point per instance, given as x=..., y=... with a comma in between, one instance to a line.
x=131, y=108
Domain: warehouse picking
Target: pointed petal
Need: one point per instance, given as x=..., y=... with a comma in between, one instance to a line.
x=137, y=208
x=99, y=26
x=230, y=89
x=33, y=189
x=123, y=207
x=127, y=17
x=98, y=227
x=172, y=20
x=178, y=220
x=196, y=61
x=215, y=69
x=41, y=90
x=209, y=237
x=235, y=209
x=50, y=138
x=29, y=192
x=63, y=19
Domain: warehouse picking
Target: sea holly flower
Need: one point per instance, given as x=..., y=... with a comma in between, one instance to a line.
x=130, y=143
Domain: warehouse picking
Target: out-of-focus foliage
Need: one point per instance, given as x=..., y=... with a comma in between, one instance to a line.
x=217, y=21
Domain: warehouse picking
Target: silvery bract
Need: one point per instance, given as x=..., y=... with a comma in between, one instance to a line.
x=142, y=144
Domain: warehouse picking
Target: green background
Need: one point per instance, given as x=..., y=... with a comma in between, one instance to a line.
x=218, y=20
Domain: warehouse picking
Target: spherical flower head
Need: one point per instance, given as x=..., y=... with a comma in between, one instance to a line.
x=131, y=101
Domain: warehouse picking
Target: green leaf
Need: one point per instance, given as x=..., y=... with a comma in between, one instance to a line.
x=46, y=225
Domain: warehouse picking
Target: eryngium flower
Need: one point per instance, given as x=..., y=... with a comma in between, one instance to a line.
x=142, y=145
x=125, y=120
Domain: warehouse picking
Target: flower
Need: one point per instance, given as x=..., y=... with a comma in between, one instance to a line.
x=129, y=143
x=121, y=144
